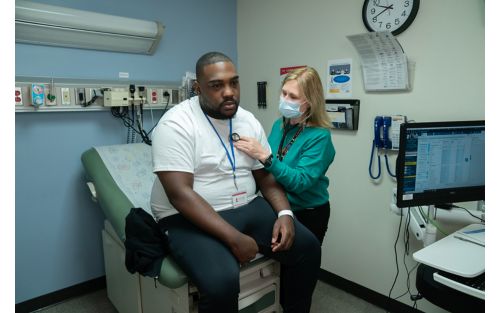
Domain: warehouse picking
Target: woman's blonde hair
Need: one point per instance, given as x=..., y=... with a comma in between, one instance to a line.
x=311, y=87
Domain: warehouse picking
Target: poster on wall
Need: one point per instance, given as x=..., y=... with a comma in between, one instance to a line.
x=339, y=82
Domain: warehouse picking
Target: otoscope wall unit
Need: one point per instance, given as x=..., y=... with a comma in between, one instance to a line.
x=46, y=94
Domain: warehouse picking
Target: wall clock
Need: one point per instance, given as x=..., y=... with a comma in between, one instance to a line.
x=389, y=15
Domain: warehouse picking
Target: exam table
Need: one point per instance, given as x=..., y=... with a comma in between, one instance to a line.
x=120, y=177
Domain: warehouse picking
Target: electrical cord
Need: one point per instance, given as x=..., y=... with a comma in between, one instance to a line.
x=396, y=257
x=425, y=216
x=134, y=119
x=123, y=114
x=91, y=101
x=378, y=163
x=165, y=109
x=408, y=277
x=371, y=162
x=387, y=166
x=151, y=112
x=406, y=236
x=130, y=124
x=434, y=222
x=132, y=115
x=413, y=297
x=470, y=213
x=140, y=123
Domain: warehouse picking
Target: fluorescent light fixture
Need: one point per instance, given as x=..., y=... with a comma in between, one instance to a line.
x=43, y=24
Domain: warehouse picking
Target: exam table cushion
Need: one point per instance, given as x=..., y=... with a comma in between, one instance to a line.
x=122, y=176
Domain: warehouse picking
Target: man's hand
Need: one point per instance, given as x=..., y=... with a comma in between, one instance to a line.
x=283, y=234
x=179, y=188
x=244, y=248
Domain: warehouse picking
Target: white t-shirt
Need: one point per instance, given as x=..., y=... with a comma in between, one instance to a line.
x=184, y=141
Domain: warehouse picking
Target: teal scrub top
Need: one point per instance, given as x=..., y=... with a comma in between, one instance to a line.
x=302, y=172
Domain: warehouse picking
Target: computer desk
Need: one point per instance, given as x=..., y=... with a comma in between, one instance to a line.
x=455, y=256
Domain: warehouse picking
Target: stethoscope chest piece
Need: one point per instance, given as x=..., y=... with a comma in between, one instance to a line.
x=235, y=137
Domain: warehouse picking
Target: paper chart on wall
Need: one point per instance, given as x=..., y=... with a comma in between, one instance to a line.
x=384, y=63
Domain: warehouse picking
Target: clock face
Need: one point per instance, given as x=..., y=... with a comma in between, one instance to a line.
x=389, y=15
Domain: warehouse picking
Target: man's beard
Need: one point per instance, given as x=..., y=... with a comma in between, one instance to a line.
x=217, y=114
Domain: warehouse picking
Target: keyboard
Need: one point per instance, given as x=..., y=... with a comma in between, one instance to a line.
x=473, y=286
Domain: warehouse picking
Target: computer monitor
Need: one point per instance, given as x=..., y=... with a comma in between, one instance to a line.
x=440, y=163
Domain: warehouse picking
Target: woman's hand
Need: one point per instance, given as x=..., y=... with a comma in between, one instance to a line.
x=252, y=147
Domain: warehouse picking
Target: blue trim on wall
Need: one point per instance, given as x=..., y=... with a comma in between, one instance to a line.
x=58, y=240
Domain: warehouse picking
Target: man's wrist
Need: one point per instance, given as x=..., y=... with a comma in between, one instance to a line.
x=286, y=212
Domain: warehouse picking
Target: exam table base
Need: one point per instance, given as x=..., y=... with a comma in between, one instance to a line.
x=133, y=293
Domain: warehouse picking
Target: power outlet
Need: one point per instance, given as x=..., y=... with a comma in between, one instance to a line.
x=174, y=96
x=65, y=96
x=91, y=94
x=19, y=96
x=80, y=96
x=166, y=96
x=142, y=92
x=153, y=96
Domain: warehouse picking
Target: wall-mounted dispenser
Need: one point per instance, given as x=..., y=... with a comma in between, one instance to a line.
x=344, y=113
x=262, y=94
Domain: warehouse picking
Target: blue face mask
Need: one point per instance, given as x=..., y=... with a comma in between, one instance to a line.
x=289, y=109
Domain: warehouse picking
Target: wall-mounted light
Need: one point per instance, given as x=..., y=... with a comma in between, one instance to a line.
x=43, y=24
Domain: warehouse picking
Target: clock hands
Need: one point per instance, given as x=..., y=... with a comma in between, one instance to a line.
x=377, y=4
x=386, y=8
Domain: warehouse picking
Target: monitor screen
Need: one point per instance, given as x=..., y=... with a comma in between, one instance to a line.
x=440, y=163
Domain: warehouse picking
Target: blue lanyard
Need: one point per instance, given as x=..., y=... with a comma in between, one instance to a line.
x=233, y=160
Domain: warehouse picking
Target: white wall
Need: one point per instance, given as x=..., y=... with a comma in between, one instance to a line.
x=446, y=42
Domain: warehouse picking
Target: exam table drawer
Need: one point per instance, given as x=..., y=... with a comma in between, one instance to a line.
x=259, y=292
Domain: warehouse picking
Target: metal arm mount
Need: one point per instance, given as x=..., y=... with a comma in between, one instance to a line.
x=425, y=231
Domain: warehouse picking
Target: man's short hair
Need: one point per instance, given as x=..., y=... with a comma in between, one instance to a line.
x=210, y=58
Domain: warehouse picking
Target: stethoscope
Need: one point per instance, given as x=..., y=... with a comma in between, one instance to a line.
x=234, y=137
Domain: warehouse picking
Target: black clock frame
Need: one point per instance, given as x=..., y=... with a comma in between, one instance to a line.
x=402, y=28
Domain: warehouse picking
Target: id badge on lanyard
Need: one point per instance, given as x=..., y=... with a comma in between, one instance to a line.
x=239, y=198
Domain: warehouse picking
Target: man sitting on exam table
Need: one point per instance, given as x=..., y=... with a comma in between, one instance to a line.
x=204, y=196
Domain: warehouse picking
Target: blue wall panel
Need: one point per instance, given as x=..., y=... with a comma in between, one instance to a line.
x=57, y=225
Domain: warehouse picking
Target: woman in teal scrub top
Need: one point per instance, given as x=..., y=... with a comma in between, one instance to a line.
x=302, y=149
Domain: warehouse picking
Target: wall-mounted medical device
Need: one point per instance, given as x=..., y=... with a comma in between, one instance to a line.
x=37, y=95
x=43, y=94
x=262, y=94
x=386, y=131
x=42, y=24
x=344, y=113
